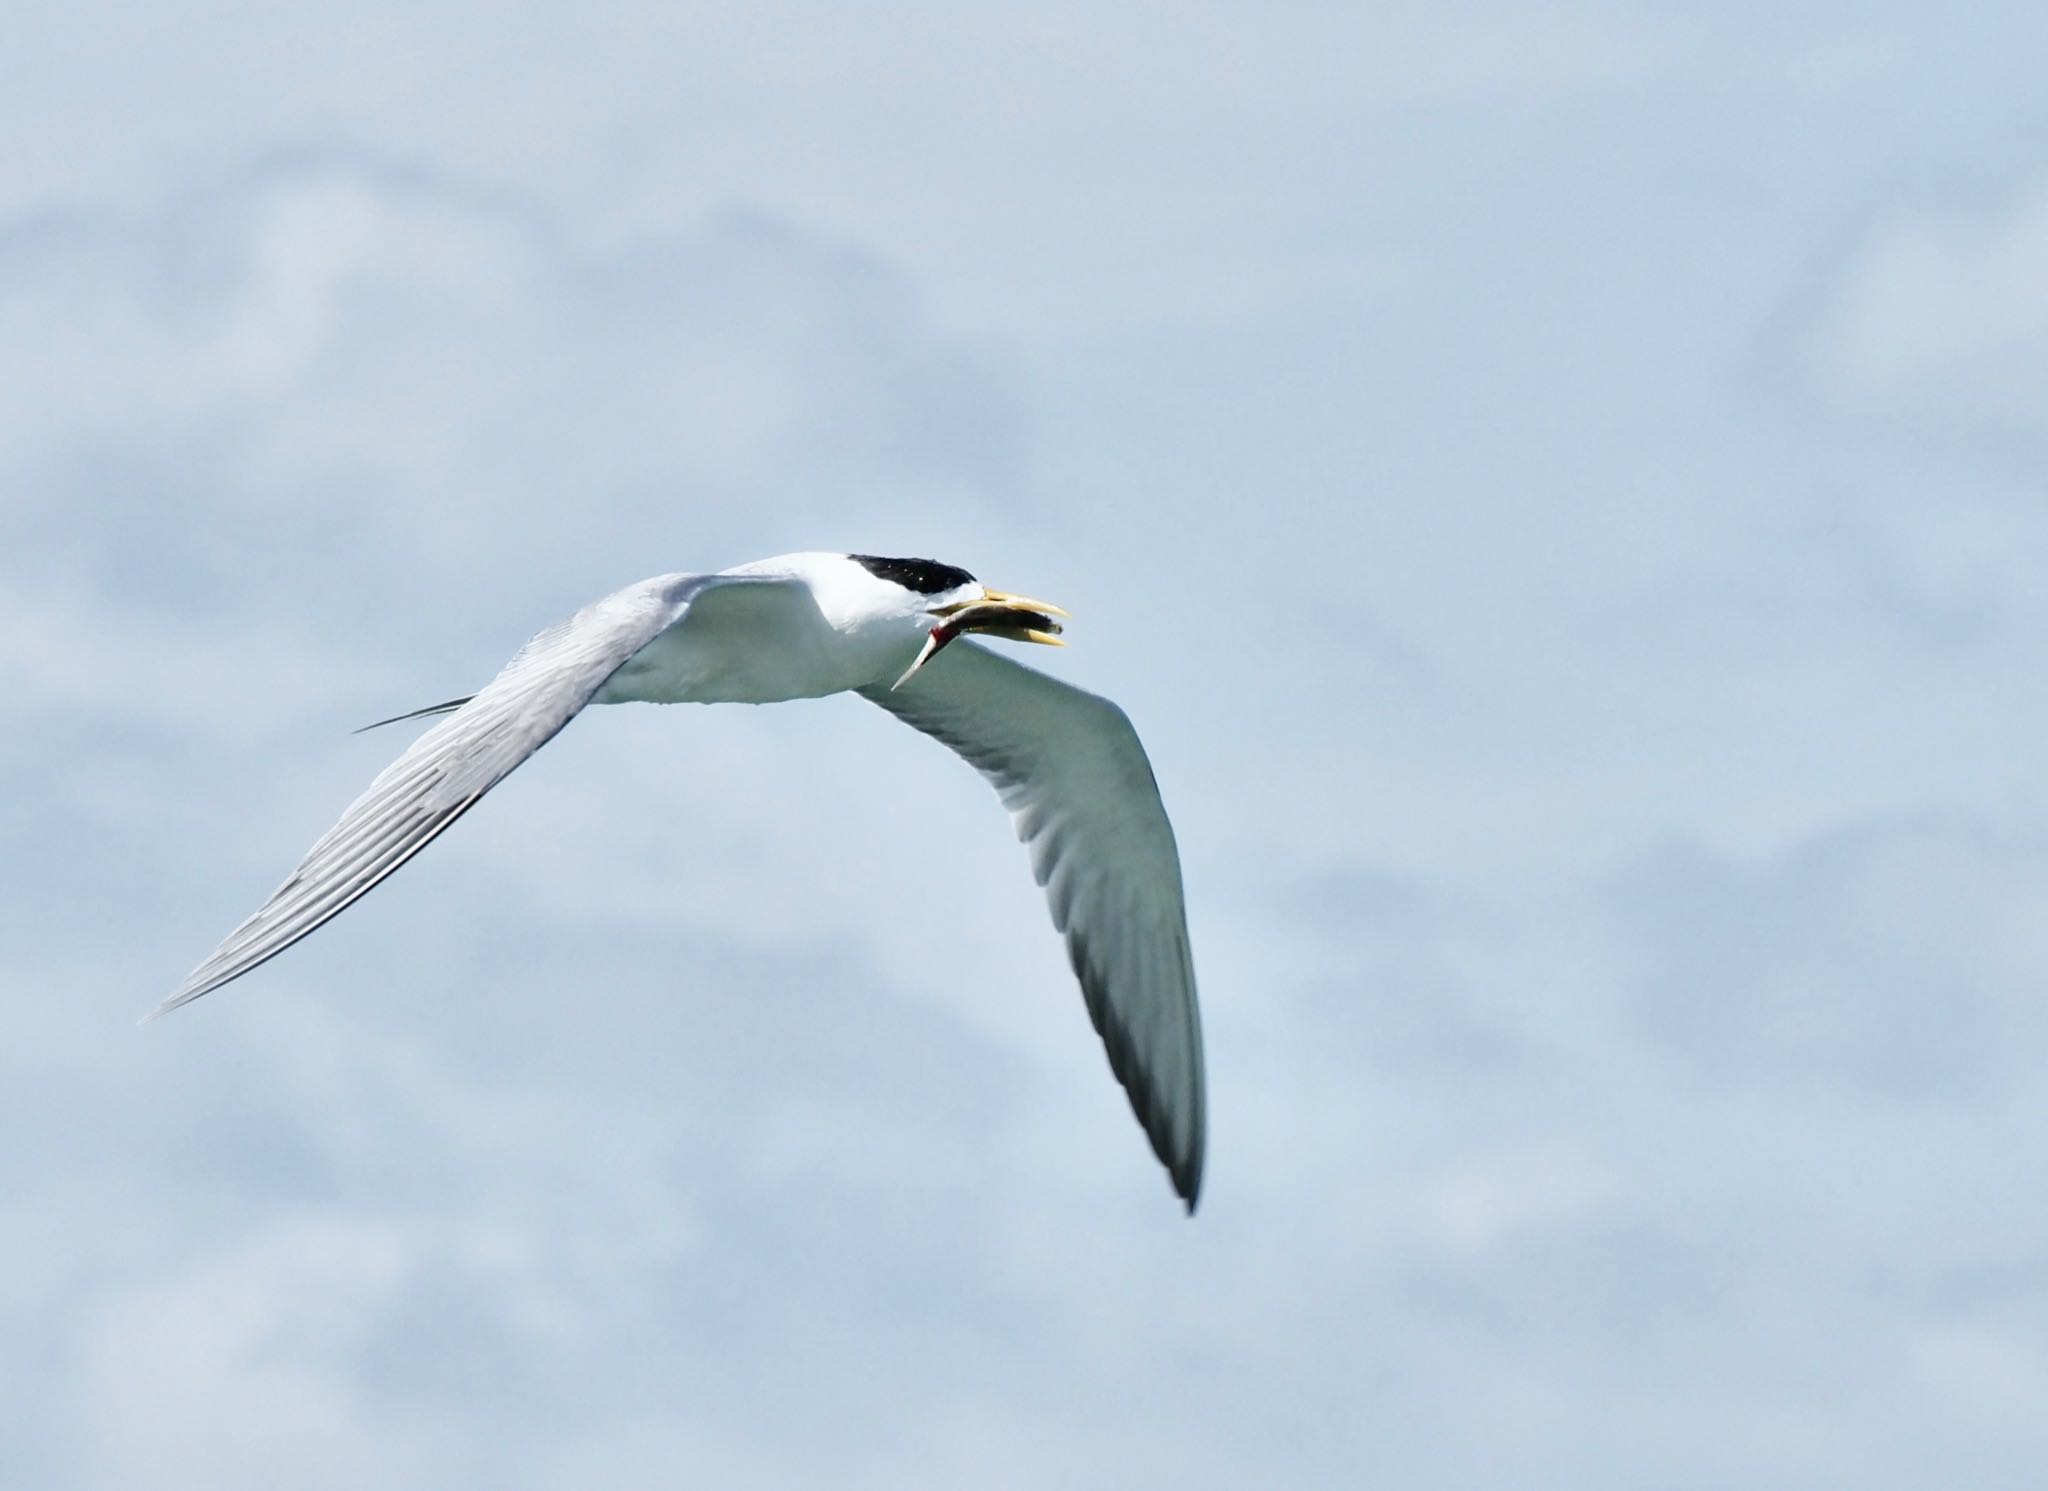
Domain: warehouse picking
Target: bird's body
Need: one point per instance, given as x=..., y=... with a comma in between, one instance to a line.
x=1066, y=763
x=763, y=638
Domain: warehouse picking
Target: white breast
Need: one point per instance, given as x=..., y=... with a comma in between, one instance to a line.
x=760, y=639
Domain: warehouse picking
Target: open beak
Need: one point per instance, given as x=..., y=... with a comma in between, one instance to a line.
x=1015, y=618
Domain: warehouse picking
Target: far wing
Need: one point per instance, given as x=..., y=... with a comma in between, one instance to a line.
x=444, y=772
x=1080, y=791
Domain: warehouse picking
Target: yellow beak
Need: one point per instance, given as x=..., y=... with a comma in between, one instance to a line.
x=1016, y=618
x=987, y=615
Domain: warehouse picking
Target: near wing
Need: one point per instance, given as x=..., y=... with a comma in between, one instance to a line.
x=444, y=772
x=1069, y=767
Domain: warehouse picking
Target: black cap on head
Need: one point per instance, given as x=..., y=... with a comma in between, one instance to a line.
x=925, y=576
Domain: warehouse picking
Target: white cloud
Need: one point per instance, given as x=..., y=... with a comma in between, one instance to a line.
x=1484, y=1202
x=1895, y=959
x=226, y=1377
x=1940, y=317
x=1034, y=165
x=1984, y=1367
x=333, y=378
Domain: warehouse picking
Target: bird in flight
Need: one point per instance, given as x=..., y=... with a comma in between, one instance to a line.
x=1066, y=763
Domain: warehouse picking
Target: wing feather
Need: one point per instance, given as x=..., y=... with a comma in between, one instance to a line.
x=448, y=769
x=1070, y=768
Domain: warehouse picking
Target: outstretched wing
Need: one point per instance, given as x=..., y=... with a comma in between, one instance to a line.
x=444, y=772
x=1069, y=767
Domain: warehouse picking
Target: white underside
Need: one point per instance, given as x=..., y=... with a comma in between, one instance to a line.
x=758, y=643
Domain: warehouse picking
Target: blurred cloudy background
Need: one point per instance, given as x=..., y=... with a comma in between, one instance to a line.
x=1560, y=489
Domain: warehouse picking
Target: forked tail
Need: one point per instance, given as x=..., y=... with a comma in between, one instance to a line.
x=448, y=706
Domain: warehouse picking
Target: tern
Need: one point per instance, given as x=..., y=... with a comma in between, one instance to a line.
x=1067, y=765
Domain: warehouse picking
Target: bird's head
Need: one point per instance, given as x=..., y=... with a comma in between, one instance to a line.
x=951, y=603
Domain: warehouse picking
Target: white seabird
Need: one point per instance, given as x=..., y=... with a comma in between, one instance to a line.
x=1066, y=763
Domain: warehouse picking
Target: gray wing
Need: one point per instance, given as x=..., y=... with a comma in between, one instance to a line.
x=443, y=773
x=1080, y=791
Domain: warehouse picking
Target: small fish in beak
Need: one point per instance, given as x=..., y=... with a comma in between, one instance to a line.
x=1015, y=618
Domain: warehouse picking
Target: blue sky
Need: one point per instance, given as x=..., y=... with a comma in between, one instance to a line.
x=1560, y=493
